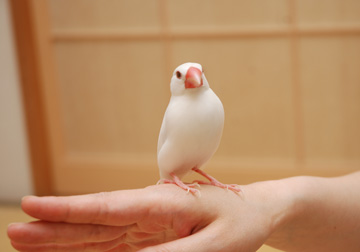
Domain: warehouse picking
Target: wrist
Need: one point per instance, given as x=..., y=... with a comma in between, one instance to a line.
x=288, y=200
x=284, y=201
x=296, y=199
x=278, y=200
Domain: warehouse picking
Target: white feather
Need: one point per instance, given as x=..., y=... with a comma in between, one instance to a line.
x=191, y=129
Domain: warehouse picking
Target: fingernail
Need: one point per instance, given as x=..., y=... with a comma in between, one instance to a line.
x=13, y=223
x=28, y=196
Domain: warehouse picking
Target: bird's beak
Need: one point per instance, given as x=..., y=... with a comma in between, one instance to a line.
x=193, y=78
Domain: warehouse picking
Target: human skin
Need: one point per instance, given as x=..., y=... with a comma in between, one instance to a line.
x=293, y=214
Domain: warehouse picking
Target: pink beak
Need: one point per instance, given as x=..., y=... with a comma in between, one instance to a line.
x=193, y=78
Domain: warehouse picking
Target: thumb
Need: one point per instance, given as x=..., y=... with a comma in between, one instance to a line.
x=209, y=239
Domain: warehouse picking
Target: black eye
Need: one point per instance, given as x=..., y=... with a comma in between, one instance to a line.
x=178, y=74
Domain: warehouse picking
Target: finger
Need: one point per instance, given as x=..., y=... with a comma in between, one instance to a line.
x=47, y=232
x=112, y=208
x=49, y=247
x=202, y=241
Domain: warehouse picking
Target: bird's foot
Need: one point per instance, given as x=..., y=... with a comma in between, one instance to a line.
x=176, y=181
x=212, y=181
x=233, y=187
x=169, y=181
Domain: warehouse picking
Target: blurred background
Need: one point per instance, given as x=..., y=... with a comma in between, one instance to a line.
x=85, y=84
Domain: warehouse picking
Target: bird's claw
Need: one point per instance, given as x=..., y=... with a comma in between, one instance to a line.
x=193, y=191
x=193, y=185
x=164, y=181
x=233, y=187
x=190, y=188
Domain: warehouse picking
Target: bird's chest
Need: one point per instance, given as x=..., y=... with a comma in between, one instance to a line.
x=194, y=121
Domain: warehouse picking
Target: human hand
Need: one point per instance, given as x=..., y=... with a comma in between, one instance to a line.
x=156, y=218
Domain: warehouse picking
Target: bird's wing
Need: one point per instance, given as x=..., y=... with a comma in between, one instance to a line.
x=162, y=135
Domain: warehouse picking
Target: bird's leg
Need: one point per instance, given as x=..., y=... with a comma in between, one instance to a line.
x=169, y=181
x=214, y=182
x=179, y=183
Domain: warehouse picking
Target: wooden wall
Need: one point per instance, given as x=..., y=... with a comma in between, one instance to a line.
x=287, y=71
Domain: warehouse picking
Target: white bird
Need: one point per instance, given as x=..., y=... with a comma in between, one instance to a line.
x=191, y=129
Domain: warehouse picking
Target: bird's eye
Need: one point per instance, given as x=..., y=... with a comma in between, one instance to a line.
x=178, y=74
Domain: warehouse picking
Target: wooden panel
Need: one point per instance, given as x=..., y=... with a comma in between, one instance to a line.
x=244, y=75
x=330, y=82
x=328, y=11
x=112, y=108
x=113, y=95
x=207, y=14
x=109, y=14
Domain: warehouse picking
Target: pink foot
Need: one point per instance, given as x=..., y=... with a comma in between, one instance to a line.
x=233, y=187
x=179, y=183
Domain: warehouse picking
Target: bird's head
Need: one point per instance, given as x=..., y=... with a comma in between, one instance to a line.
x=188, y=76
